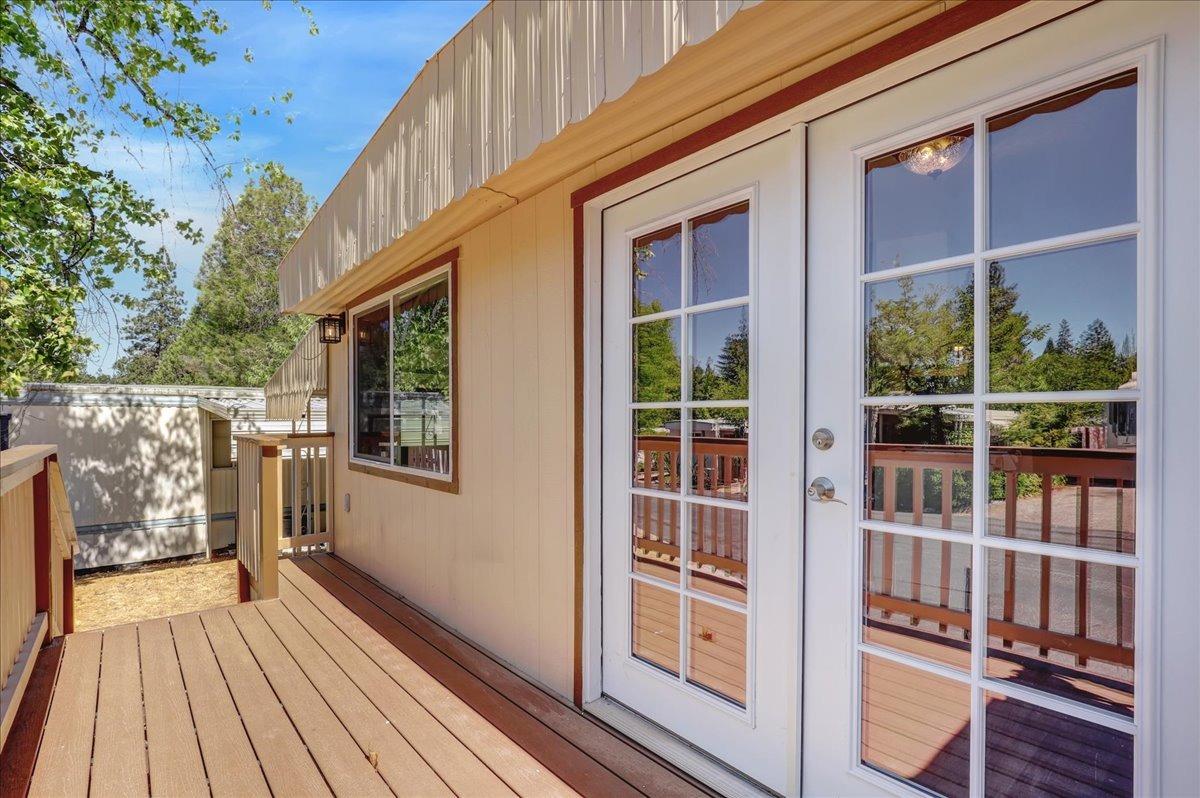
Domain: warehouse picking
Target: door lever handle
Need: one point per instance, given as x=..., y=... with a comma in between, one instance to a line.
x=822, y=490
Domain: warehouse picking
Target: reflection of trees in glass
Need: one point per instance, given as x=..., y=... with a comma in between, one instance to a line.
x=421, y=349
x=656, y=359
x=921, y=341
x=729, y=377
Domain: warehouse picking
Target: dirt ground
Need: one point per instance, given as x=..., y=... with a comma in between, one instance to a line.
x=109, y=598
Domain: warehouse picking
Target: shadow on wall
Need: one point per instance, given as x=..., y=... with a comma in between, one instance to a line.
x=134, y=474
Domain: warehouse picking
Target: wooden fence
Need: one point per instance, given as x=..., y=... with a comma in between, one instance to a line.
x=284, y=502
x=37, y=574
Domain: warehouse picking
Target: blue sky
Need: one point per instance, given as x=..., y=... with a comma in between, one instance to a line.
x=345, y=80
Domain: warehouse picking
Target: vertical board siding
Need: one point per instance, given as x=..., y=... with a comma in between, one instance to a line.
x=517, y=74
x=16, y=572
x=494, y=561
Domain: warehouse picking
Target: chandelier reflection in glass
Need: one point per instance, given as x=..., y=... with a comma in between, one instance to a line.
x=932, y=158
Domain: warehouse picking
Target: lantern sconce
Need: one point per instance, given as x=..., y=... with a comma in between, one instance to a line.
x=332, y=328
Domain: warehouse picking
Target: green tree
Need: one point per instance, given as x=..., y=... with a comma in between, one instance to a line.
x=1062, y=343
x=921, y=341
x=153, y=327
x=76, y=76
x=235, y=335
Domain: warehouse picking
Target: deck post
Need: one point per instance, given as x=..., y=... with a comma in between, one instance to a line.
x=41, y=539
x=271, y=529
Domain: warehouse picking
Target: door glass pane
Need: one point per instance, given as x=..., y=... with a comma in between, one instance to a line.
x=1036, y=751
x=919, y=335
x=421, y=378
x=1065, y=320
x=718, y=555
x=917, y=596
x=919, y=202
x=655, y=626
x=717, y=650
x=1065, y=164
x=372, y=383
x=656, y=457
x=656, y=532
x=719, y=341
x=1062, y=626
x=721, y=453
x=657, y=266
x=916, y=726
x=656, y=361
x=1064, y=473
x=721, y=254
x=919, y=465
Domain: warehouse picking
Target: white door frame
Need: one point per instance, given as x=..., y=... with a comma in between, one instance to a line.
x=983, y=36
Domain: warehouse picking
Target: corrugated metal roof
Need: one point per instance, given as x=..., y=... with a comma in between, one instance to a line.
x=298, y=378
x=513, y=78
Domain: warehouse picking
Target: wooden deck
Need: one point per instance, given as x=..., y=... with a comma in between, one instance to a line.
x=337, y=687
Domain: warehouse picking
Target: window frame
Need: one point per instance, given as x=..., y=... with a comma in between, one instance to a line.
x=408, y=282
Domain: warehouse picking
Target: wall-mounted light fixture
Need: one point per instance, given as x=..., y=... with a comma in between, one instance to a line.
x=332, y=328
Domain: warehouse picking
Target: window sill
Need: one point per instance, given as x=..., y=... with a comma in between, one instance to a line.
x=443, y=485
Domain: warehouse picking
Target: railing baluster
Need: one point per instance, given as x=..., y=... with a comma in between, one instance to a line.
x=1010, y=558
x=1044, y=586
x=1081, y=568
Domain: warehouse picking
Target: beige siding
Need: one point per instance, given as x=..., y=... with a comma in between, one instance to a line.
x=123, y=463
x=496, y=560
x=16, y=572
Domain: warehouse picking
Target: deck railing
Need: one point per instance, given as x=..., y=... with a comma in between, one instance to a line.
x=37, y=573
x=284, y=502
x=1099, y=485
x=1079, y=497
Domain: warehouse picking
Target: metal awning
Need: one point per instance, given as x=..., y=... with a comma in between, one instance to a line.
x=298, y=378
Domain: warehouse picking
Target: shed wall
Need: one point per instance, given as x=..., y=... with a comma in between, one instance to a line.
x=126, y=464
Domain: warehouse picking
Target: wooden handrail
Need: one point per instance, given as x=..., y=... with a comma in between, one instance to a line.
x=37, y=574
x=285, y=489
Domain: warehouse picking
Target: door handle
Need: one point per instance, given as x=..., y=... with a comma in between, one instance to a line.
x=821, y=490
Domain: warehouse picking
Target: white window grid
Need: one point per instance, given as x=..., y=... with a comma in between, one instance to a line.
x=980, y=399
x=684, y=497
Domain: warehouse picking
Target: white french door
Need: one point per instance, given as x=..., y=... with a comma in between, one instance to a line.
x=700, y=499
x=980, y=347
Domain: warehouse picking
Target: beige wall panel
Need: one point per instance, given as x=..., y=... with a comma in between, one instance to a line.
x=495, y=560
x=123, y=463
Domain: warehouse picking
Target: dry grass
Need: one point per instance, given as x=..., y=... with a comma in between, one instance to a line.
x=152, y=591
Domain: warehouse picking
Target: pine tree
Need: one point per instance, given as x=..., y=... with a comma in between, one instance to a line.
x=151, y=329
x=235, y=334
x=1063, y=341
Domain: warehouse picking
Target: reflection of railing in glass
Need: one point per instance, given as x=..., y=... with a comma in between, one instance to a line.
x=719, y=469
x=1071, y=617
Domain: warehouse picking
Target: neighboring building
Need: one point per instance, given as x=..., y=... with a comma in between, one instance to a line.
x=149, y=468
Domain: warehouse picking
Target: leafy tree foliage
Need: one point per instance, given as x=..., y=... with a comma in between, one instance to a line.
x=151, y=329
x=235, y=335
x=76, y=76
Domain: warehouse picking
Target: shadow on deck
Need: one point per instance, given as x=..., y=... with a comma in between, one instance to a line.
x=337, y=687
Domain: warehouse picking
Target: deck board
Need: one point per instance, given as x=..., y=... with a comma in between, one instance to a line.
x=219, y=729
x=405, y=772
x=630, y=764
x=176, y=767
x=335, y=688
x=119, y=756
x=63, y=768
x=433, y=736
x=285, y=760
